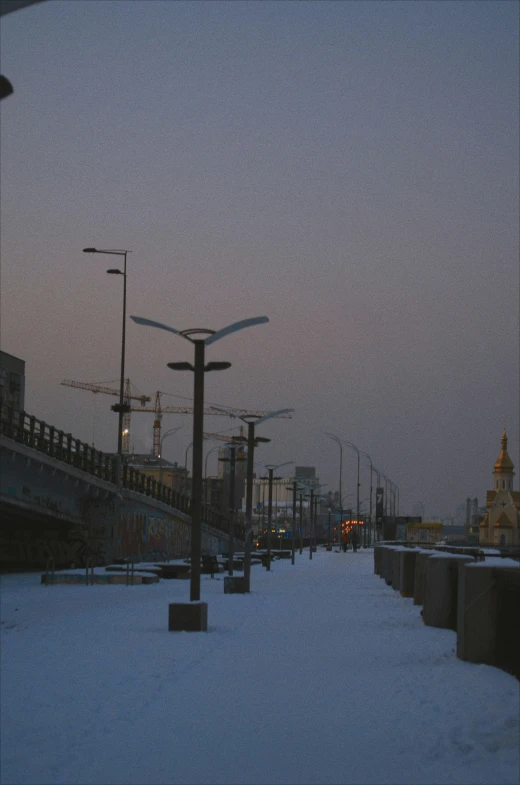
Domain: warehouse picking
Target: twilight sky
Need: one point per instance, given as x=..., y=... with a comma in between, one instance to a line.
x=349, y=169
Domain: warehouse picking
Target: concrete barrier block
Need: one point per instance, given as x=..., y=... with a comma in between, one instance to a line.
x=396, y=568
x=387, y=564
x=407, y=571
x=378, y=558
x=235, y=585
x=440, y=597
x=419, y=587
x=188, y=616
x=487, y=615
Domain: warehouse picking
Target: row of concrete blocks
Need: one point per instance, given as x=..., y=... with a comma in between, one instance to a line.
x=479, y=600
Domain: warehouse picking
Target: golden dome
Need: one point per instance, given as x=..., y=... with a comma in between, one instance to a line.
x=504, y=463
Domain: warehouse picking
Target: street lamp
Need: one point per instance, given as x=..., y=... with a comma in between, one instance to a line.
x=318, y=499
x=271, y=468
x=199, y=368
x=370, y=513
x=294, y=489
x=209, y=452
x=314, y=495
x=121, y=408
x=232, y=460
x=168, y=433
x=340, y=445
x=364, y=524
x=351, y=444
x=252, y=441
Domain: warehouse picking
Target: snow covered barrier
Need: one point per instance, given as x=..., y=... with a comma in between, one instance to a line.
x=235, y=585
x=419, y=586
x=188, y=616
x=407, y=571
x=387, y=563
x=487, y=614
x=378, y=558
x=440, y=598
x=396, y=568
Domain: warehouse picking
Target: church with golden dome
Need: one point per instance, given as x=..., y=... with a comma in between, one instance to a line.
x=502, y=522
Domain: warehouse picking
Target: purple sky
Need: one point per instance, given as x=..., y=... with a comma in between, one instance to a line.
x=349, y=169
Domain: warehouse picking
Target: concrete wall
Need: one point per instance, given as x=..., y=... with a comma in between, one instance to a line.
x=50, y=509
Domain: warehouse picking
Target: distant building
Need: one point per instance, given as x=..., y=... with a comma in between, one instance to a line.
x=305, y=473
x=170, y=474
x=214, y=494
x=424, y=532
x=502, y=521
x=12, y=381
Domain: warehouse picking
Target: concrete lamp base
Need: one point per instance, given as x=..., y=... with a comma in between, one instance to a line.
x=234, y=585
x=188, y=616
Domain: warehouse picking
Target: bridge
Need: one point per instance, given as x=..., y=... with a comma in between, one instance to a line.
x=60, y=498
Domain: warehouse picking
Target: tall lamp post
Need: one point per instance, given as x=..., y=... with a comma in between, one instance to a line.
x=168, y=433
x=232, y=446
x=318, y=499
x=370, y=512
x=121, y=408
x=294, y=489
x=199, y=368
x=340, y=445
x=351, y=444
x=314, y=497
x=252, y=441
x=209, y=452
x=271, y=468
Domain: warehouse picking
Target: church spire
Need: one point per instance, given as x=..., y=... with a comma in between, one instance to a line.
x=504, y=464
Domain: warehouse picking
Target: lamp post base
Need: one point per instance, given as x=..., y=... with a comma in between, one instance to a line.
x=235, y=585
x=188, y=616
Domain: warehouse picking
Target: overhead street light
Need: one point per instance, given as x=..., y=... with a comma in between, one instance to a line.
x=198, y=368
x=236, y=441
x=165, y=435
x=370, y=513
x=121, y=408
x=314, y=494
x=252, y=441
x=340, y=445
x=270, y=469
x=7, y=7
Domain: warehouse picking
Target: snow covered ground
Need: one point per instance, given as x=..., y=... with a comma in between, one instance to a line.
x=323, y=674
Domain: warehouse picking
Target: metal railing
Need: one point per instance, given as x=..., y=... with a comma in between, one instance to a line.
x=27, y=429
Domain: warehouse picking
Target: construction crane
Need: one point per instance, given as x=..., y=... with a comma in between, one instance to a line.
x=157, y=409
x=127, y=396
x=226, y=438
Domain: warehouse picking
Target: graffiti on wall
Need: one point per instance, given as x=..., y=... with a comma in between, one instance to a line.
x=30, y=546
x=141, y=535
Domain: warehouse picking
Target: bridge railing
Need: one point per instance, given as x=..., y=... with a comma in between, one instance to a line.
x=27, y=429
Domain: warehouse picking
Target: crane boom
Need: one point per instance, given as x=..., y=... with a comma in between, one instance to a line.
x=98, y=388
x=159, y=410
x=189, y=410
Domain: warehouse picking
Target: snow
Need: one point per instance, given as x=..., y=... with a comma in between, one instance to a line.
x=491, y=562
x=322, y=674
